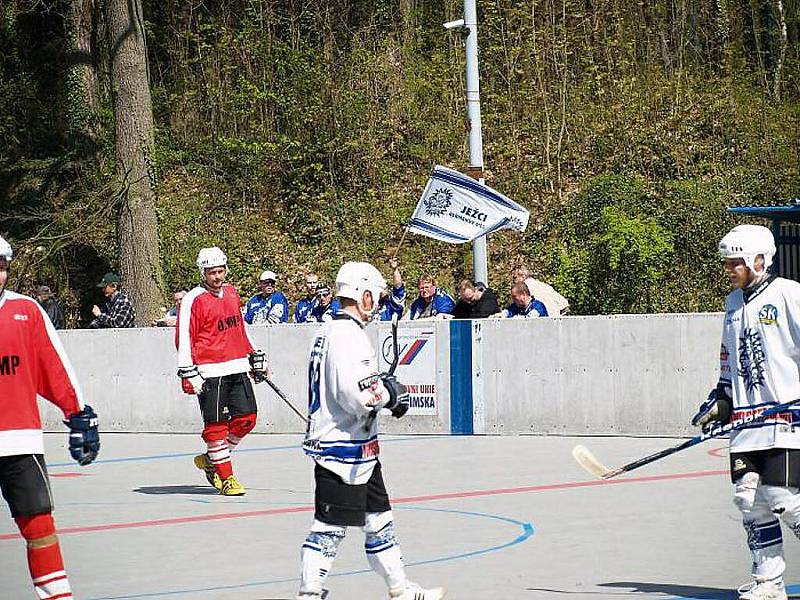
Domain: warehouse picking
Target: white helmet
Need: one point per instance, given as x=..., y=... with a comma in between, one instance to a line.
x=355, y=278
x=747, y=242
x=208, y=258
x=5, y=250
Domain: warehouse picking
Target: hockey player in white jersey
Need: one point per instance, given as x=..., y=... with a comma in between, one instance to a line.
x=759, y=368
x=345, y=393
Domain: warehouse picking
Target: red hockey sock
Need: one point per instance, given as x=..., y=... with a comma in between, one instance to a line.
x=44, y=562
x=239, y=427
x=218, y=452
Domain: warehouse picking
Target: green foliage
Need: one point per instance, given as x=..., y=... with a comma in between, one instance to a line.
x=298, y=136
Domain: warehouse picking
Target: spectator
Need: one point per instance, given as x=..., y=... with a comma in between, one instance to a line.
x=523, y=305
x=51, y=306
x=302, y=312
x=556, y=303
x=171, y=318
x=393, y=304
x=327, y=305
x=476, y=301
x=117, y=311
x=268, y=306
x=432, y=301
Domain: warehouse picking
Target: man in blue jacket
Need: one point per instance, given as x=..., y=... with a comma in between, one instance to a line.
x=432, y=301
x=268, y=306
x=523, y=305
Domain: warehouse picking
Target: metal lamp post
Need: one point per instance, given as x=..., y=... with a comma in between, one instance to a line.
x=469, y=24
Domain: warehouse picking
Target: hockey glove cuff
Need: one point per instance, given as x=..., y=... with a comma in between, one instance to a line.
x=398, y=395
x=84, y=438
x=191, y=380
x=258, y=366
x=716, y=410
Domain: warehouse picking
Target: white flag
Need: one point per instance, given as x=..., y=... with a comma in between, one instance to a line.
x=455, y=208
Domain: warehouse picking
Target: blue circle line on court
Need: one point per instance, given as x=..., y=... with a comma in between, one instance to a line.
x=527, y=532
x=296, y=446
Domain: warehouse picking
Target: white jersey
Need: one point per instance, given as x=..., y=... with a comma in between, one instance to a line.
x=343, y=388
x=760, y=360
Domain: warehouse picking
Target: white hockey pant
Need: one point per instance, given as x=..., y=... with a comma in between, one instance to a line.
x=761, y=505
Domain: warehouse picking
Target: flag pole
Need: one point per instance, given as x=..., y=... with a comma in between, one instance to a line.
x=402, y=239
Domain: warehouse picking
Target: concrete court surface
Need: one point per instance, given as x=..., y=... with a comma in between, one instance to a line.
x=487, y=517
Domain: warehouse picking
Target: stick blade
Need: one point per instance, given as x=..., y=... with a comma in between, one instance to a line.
x=589, y=463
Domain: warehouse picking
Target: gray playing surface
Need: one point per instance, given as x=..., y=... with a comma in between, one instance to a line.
x=487, y=517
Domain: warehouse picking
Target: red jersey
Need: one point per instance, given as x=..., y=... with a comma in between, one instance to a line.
x=32, y=361
x=211, y=332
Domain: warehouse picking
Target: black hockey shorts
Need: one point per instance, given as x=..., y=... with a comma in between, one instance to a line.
x=779, y=466
x=24, y=484
x=225, y=397
x=338, y=503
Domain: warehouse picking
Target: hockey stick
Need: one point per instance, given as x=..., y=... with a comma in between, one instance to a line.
x=588, y=461
x=395, y=345
x=283, y=397
x=396, y=351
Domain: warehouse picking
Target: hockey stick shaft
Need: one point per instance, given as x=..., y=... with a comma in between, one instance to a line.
x=288, y=402
x=395, y=346
x=717, y=432
x=396, y=350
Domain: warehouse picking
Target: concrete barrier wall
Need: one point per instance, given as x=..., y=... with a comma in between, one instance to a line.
x=629, y=375
x=617, y=375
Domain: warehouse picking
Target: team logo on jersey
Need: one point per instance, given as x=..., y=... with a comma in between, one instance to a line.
x=739, y=464
x=752, y=359
x=723, y=353
x=768, y=315
x=368, y=383
x=438, y=202
x=723, y=359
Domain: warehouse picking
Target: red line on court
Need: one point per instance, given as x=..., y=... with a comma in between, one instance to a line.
x=406, y=500
x=720, y=452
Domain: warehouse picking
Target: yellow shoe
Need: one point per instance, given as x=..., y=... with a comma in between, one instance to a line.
x=202, y=462
x=232, y=487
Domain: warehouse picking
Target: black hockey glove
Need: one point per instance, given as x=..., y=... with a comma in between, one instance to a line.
x=258, y=366
x=398, y=395
x=84, y=439
x=715, y=411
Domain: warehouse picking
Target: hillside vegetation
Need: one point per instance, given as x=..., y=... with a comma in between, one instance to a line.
x=299, y=134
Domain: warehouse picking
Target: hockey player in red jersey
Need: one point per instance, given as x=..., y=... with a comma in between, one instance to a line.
x=215, y=355
x=32, y=361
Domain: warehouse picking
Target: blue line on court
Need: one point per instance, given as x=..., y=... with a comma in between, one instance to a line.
x=296, y=446
x=527, y=532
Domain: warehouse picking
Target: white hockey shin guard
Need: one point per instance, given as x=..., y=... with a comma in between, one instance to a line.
x=764, y=537
x=317, y=555
x=383, y=550
x=785, y=503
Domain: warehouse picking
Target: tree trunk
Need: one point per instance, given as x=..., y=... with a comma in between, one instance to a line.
x=137, y=229
x=82, y=84
x=408, y=19
x=782, y=43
